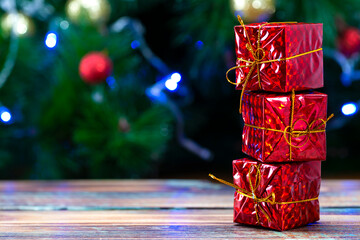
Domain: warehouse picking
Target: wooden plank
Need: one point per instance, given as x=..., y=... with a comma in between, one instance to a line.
x=142, y=194
x=85, y=195
x=166, y=224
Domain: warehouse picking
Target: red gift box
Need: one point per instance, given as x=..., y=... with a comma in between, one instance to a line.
x=284, y=127
x=277, y=196
x=279, y=57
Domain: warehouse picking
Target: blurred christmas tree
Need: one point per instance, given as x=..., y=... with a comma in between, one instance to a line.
x=100, y=125
x=59, y=121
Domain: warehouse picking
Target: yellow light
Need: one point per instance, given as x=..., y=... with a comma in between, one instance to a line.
x=18, y=23
x=253, y=10
x=256, y=4
x=95, y=11
x=240, y=4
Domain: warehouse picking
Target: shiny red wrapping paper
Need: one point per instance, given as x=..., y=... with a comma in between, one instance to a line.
x=288, y=182
x=273, y=111
x=281, y=41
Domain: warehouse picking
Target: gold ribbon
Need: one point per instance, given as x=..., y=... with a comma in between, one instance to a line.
x=297, y=133
x=258, y=56
x=251, y=194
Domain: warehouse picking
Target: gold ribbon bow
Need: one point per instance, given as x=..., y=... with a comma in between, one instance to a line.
x=290, y=130
x=252, y=194
x=258, y=55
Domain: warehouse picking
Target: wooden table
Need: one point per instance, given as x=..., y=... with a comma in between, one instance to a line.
x=156, y=209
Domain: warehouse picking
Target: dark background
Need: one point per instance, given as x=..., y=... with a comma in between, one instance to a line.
x=59, y=130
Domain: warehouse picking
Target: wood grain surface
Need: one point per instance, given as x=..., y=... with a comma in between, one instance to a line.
x=156, y=209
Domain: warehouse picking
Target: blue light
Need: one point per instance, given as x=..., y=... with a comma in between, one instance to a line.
x=176, y=77
x=64, y=24
x=349, y=109
x=199, y=45
x=135, y=44
x=111, y=82
x=51, y=40
x=5, y=116
x=171, y=84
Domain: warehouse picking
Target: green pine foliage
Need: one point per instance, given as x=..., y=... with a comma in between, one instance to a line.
x=209, y=23
x=66, y=128
x=21, y=94
x=82, y=124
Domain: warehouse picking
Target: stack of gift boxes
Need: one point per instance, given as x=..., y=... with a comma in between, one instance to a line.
x=278, y=66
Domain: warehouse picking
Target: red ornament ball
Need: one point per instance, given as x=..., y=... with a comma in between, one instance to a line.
x=95, y=67
x=349, y=41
